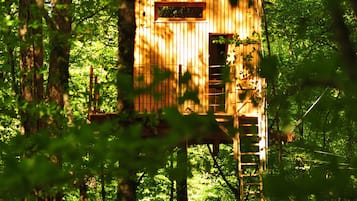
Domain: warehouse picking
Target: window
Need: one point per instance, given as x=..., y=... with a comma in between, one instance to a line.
x=179, y=11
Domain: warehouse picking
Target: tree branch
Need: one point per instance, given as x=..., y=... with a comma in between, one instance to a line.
x=230, y=186
x=80, y=21
x=140, y=178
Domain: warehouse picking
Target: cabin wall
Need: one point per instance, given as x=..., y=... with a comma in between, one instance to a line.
x=183, y=46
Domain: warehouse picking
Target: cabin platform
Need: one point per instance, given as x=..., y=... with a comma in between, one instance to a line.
x=218, y=135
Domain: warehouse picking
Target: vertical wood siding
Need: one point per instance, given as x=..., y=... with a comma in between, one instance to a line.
x=170, y=44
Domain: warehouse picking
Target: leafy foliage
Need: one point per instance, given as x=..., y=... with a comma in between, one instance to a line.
x=305, y=62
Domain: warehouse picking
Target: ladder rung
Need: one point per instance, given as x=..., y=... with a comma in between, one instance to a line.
x=247, y=164
x=216, y=93
x=250, y=175
x=248, y=118
x=253, y=184
x=250, y=153
x=222, y=120
x=249, y=135
x=252, y=193
x=247, y=124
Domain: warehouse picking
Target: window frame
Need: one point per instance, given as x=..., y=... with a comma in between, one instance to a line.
x=179, y=4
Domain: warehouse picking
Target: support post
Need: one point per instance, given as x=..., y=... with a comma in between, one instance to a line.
x=181, y=182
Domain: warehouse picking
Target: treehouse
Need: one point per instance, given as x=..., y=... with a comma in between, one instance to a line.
x=216, y=42
x=208, y=49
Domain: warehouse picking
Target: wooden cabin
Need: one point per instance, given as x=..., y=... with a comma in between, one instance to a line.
x=217, y=43
x=181, y=36
x=185, y=36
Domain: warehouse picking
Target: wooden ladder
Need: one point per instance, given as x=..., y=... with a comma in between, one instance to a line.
x=250, y=153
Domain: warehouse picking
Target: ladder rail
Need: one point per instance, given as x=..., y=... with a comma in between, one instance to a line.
x=251, y=155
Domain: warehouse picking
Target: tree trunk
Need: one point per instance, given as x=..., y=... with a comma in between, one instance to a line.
x=126, y=189
x=60, y=35
x=57, y=89
x=126, y=39
x=126, y=36
x=31, y=61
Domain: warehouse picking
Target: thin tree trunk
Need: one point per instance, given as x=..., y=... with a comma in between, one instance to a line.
x=266, y=30
x=324, y=143
x=181, y=183
x=274, y=91
x=83, y=196
x=102, y=180
x=10, y=50
x=350, y=142
x=172, y=181
x=11, y=62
